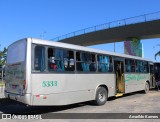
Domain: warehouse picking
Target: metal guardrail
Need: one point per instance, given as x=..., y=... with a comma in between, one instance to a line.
x=118, y=23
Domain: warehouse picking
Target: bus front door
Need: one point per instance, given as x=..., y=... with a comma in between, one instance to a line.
x=119, y=75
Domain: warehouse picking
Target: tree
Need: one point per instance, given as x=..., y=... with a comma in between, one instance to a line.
x=157, y=54
x=3, y=56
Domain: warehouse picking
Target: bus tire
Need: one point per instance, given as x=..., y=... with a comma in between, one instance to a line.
x=101, y=96
x=146, y=90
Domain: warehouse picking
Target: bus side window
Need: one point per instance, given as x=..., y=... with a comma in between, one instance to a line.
x=137, y=66
x=132, y=65
x=69, y=63
x=104, y=63
x=146, y=67
x=92, y=65
x=60, y=60
x=110, y=64
x=85, y=62
x=78, y=63
x=128, y=65
x=60, y=55
x=51, y=60
x=141, y=67
x=84, y=59
x=39, y=61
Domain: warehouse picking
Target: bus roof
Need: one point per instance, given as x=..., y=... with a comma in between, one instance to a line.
x=81, y=48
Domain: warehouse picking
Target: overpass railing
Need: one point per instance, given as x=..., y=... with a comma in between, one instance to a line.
x=118, y=23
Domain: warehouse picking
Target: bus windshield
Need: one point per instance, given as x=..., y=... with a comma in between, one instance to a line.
x=16, y=52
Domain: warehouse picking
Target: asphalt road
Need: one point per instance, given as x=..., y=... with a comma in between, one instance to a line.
x=131, y=103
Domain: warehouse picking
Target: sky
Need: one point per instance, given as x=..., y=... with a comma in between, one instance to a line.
x=48, y=19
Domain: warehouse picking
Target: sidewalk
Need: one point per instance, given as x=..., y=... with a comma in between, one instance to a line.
x=1, y=92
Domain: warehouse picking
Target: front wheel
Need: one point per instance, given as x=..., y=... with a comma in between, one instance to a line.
x=101, y=96
x=146, y=90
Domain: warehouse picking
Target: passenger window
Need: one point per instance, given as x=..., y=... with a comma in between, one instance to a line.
x=139, y=66
x=105, y=63
x=146, y=67
x=133, y=65
x=39, y=61
x=69, y=61
x=92, y=65
x=85, y=62
x=60, y=60
x=130, y=65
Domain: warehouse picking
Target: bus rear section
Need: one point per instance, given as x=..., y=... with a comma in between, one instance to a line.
x=16, y=72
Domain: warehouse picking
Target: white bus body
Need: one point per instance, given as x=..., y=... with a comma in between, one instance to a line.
x=27, y=83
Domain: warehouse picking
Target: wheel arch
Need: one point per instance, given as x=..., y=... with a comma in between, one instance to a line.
x=148, y=83
x=101, y=85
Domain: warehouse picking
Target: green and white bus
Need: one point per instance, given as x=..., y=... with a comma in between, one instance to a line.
x=43, y=73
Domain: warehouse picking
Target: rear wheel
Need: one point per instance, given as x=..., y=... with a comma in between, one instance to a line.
x=146, y=90
x=101, y=96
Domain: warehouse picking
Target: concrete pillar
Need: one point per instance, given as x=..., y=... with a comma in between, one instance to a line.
x=133, y=46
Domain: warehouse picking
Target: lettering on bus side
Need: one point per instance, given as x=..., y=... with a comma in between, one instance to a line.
x=49, y=83
x=135, y=77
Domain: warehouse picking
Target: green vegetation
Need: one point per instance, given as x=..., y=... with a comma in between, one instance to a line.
x=157, y=54
x=3, y=55
x=2, y=83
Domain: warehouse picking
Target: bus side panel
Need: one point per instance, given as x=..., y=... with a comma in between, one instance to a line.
x=60, y=89
x=61, y=98
x=63, y=89
x=95, y=80
x=135, y=82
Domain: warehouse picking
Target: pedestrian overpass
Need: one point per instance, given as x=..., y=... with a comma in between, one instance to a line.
x=143, y=27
